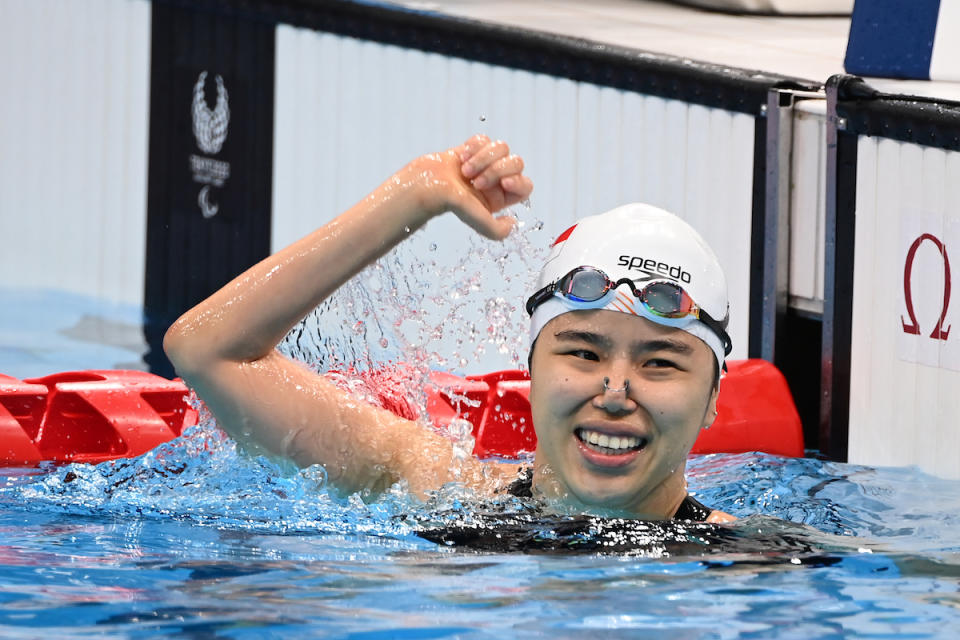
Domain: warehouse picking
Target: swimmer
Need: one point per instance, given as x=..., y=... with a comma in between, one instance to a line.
x=624, y=364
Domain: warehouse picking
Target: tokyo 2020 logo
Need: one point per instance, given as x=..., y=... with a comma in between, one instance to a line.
x=210, y=132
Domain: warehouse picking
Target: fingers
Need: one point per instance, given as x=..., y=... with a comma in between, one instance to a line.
x=502, y=168
x=482, y=153
x=469, y=148
x=516, y=189
x=489, y=165
x=494, y=180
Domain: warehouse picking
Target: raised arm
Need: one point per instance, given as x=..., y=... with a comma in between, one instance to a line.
x=225, y=346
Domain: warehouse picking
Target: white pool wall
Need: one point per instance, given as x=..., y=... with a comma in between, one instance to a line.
x=74, y=134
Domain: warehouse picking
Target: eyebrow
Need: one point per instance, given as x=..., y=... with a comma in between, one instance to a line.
x=646, y=346
x=583, y=336
x=672, y=346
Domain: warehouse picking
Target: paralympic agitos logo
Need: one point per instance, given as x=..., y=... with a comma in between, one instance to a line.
x=653, y=269
x=913, y=327
x=210, y=132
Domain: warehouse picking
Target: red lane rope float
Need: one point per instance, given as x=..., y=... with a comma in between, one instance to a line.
x=89, y=416
x=92, y=416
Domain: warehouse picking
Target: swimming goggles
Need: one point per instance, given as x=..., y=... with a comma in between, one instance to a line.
x=661, y=298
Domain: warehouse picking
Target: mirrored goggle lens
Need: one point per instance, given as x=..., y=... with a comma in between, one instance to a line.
x=585, y=285
x=667, y=300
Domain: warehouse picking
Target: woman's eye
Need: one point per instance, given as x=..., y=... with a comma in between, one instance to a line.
x=661, y=363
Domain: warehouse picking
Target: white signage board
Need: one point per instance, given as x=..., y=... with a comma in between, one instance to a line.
x=905, y=334
x=928, y=311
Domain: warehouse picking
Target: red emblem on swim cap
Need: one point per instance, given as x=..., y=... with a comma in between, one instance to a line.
x=563, y=236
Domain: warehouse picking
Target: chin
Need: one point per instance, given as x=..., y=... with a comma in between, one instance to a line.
x=603, y=495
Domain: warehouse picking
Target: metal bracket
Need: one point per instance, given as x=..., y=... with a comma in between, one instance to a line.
x=776, y=239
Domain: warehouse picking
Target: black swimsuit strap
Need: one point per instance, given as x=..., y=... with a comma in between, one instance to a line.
x=690, y=509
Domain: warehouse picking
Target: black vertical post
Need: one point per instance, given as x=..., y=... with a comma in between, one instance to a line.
x=841, y=194
x=211, y=157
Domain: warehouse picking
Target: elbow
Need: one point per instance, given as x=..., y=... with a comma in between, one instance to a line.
x=179, y=345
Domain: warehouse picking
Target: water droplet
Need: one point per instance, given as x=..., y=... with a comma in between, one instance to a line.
x=384, y=343
x=483, y=118
x=433, y=246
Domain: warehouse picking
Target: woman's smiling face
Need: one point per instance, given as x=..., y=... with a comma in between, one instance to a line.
x=612, y=449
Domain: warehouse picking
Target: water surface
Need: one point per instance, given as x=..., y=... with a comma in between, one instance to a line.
x=198, y=540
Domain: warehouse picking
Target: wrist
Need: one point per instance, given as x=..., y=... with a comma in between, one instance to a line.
x=427, y=182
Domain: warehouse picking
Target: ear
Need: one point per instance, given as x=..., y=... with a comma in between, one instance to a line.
x=711, y=413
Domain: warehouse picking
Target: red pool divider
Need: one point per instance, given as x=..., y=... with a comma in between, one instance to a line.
x=755, y=412
x=92, y=416
x=22, y=406
x=506, y=426
x=89, y=416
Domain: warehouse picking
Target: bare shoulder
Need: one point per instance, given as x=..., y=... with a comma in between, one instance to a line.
x=720, y=517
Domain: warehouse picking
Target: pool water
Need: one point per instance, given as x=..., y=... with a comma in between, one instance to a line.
x=196, y=540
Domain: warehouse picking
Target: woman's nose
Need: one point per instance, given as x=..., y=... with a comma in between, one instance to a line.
x=614, y=395
x=625, y=388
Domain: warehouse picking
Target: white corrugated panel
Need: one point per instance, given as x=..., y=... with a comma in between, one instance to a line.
x=904, y=398
x=73, y=129
x=349, y=113
x=807, y=204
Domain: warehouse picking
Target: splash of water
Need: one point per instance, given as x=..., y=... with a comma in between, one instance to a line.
x=456, y=307
x=203, y=478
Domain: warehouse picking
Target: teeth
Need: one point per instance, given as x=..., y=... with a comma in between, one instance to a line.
x=609, y=442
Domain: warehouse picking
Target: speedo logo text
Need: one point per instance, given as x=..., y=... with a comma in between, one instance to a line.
x=653, y=268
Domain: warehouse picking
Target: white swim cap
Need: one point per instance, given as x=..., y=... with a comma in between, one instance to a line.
x=643, y=244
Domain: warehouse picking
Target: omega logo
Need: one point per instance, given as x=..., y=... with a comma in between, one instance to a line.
x=913, y=327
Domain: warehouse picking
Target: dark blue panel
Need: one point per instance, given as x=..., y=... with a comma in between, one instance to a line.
x=892, y=38
x=211, y=158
